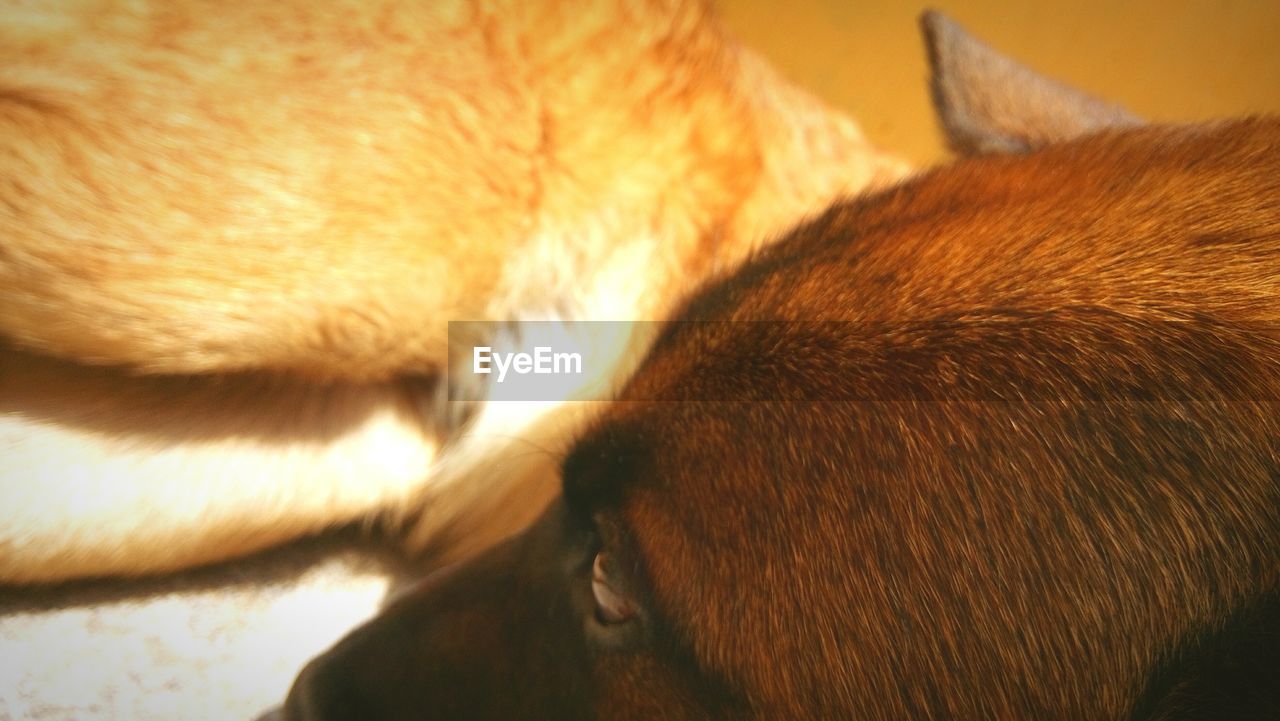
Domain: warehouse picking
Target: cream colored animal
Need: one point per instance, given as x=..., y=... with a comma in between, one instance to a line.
x=231, y=236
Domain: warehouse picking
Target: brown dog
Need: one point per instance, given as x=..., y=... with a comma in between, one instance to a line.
x=1002, y=443
x=231, y=237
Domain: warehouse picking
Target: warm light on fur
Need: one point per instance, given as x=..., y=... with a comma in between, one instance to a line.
x=233, y=235
x=998, y=443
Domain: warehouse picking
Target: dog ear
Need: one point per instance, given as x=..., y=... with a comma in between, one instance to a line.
x=987, y=102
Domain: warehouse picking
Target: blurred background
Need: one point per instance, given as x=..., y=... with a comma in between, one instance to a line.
x=1164, y=59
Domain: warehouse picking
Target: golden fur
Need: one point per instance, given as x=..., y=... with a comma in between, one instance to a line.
x=231, y=236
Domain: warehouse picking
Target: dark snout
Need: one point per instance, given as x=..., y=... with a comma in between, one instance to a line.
x=493, y=639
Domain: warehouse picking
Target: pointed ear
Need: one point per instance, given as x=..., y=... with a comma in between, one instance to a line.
x=987, y=102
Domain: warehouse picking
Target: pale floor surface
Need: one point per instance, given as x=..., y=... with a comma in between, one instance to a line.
x=214, y=644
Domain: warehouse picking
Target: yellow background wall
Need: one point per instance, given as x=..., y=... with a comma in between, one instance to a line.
x=1164, y=59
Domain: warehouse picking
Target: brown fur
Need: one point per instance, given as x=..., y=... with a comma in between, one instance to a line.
x=290, y=201
x=1004, y=447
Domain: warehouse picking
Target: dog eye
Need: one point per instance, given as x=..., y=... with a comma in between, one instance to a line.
x=611, y=606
